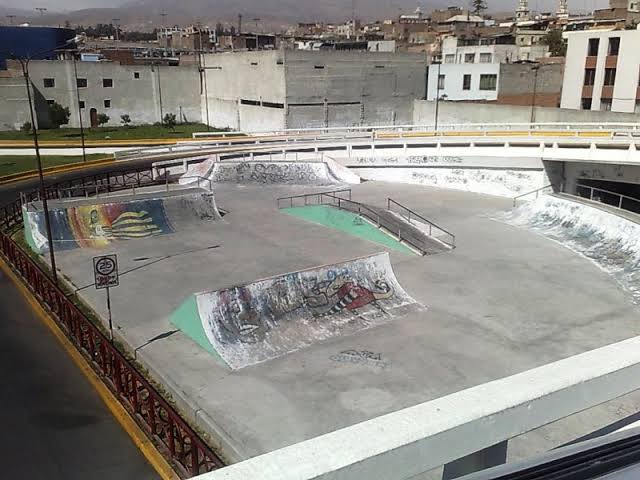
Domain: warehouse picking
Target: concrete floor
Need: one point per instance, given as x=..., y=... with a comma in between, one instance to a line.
x=505, y=300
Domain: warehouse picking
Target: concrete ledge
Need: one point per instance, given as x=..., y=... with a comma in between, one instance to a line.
x=18, y=177
x=414, y=440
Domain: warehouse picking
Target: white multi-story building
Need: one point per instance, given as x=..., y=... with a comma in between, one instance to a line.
x=602, y=71
x=463, y=82
x=496, y=49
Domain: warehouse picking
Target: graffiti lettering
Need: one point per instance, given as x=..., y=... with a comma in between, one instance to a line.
x=360, y=357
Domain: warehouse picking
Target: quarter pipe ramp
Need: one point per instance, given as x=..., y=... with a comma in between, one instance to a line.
x=268, y=318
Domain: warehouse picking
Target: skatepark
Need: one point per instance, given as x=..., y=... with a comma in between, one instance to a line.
x=295, y=314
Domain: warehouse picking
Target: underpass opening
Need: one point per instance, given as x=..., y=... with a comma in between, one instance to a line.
x=623, y=195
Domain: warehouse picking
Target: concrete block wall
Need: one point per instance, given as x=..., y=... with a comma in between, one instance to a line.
x=136, y=91
x=14, y=106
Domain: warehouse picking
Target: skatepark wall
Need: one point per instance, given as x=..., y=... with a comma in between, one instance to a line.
x=268, y=318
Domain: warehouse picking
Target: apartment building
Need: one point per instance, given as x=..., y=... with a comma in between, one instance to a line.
x=602, y=71
x=501, y=48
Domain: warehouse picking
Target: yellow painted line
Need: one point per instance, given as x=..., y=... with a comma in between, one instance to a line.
x=142, y=442
x=19, y=177
x=598, y=133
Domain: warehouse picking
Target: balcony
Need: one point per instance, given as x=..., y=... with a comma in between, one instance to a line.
x=590, y=62
x=607, y=91
x=587, y=91
x=611, y=61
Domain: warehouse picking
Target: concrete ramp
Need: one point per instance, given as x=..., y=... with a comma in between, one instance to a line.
x=279, y=173
x=96, y=222
x=268, y=318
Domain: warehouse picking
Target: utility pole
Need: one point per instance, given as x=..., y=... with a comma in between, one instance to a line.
x=533, y=98
x=256, y=20
x=41, y=10
x=11, y=17
x=239, y=23
x=75, y=72
x=437, y=96
x=117, y=26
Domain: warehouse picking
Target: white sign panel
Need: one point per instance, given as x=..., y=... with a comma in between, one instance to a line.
x=105, y=271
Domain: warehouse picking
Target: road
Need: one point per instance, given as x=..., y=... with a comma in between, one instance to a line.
x=55, y=425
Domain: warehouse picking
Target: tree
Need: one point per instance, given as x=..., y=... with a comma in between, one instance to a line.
x=557, y=46
x=169, y=121
x=125, y=119
x=102, y=118
x=58, y=115
x=478, y=6
x=26, y=127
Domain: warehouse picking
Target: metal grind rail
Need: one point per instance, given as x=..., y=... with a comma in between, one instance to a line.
x=174, y=437
x=614, y=199
x=434, y=230
x=373, y=215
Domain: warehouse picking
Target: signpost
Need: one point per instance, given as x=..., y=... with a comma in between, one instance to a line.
x=105, y=271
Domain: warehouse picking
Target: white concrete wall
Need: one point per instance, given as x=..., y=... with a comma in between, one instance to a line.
x=139, y=98
x=626, y=84
x=461, y=113
x=454, y=74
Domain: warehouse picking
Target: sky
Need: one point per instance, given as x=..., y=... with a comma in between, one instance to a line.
x=494, y=5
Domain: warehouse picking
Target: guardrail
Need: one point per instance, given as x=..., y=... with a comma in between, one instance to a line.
x=450, y=238
x=614, y=199
x=537, y=192
x=330, y=198
x=189, y=454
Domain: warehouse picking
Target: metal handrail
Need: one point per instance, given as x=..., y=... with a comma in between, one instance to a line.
x=391, y=201
x=199, y=177
x=621, y=196
x=536, y=191
x=291, y=198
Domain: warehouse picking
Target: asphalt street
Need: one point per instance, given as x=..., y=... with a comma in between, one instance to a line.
x=54, y=424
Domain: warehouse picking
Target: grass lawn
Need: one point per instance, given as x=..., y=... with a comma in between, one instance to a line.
x=22, y=163
x=111, y=133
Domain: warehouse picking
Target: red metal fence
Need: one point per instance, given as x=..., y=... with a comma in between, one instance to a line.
x=189, y=455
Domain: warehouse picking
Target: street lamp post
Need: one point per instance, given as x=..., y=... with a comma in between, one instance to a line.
x=533, y=98
x=437, y=98
x=75, y=73
x=24, y=63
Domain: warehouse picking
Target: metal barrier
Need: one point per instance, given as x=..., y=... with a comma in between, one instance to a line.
x=408, y=214
x=616, y=200
x=375, y=217
x=537, y=192
x=189, y=454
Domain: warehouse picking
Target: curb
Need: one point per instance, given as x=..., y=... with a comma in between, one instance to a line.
x=128, y=423
x=18, y=177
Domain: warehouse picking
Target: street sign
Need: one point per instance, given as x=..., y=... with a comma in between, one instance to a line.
x=105, y=271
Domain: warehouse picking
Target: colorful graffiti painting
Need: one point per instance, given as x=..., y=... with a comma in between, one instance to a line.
x=96, y=226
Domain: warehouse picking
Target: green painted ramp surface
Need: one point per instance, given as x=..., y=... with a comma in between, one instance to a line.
x=347, y=222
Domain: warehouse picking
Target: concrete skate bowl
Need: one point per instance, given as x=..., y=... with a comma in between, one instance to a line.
x=265, y=319
x=97, y=222
x=279, y=173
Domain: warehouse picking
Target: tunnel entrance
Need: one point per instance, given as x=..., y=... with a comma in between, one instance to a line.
x=618, y=194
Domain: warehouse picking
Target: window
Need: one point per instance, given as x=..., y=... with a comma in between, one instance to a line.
x=81, y=82
x=466, y=82
x=136, y=75
x=441, y=82
x=318, y=67
x=589, y=76
x=485, y=58
x=586, y=104
x=594, y=43
x=609, y=76
x=449, y=58
x=107, y=104
x=488, y=82
x=469, y=57
x=49, y=82
x=81, y=104
x=614, y=46
x=605, y=104
x=107, y=82
x=50, y=102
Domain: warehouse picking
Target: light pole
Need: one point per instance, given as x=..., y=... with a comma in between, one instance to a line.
x=533, y=97
x=437, y=96
x=75, y=73
x=257, y=36
x=11, y=17
x=24, y=63
x=115, y=23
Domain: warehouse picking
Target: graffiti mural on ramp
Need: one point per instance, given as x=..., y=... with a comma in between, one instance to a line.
x=268, y=318
x=96, y=226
